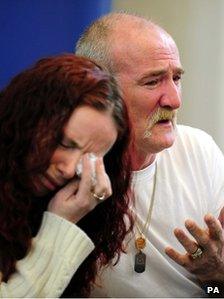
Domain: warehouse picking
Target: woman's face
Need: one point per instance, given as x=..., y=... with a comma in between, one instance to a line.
x=87, y=131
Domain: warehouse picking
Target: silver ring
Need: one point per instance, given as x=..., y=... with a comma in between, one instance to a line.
x=99, y=197
x=197, y=254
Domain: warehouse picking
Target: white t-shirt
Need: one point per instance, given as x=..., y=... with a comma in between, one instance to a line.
x=189, y=184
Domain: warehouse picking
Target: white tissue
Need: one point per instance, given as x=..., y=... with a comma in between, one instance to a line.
x=92, y=159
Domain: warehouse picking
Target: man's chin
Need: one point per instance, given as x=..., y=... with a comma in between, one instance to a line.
x=167, y=138
x=168, y=141
x=160, y=140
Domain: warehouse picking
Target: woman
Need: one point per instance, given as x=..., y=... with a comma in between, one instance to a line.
x=51, y=117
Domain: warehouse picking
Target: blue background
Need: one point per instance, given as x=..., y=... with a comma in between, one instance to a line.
x=32, y=29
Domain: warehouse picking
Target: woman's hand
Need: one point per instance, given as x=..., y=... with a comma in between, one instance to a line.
x=80, y=196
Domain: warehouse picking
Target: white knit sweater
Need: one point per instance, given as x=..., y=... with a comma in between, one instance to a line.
x=56, y=253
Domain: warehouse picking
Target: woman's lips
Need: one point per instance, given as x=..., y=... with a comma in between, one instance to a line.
x=50, y=183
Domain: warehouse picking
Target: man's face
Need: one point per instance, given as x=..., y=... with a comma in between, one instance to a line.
x=87, y=131
x=149, y=73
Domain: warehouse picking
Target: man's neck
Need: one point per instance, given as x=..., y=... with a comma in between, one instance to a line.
x=141, y=160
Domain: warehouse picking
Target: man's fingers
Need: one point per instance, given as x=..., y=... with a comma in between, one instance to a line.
x=176, y=256
x=214, y=226
x=200, y=235
x=189, y=245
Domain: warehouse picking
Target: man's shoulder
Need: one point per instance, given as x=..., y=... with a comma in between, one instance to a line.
x=193, y=134
x=193, y=148
x=194, y=142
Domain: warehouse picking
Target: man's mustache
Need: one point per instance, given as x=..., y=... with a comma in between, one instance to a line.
x=158, y=115
x=162, y=114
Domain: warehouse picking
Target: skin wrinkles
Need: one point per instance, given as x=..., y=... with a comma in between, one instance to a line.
x=82, y=134
x=137, y=67
x=160, y=72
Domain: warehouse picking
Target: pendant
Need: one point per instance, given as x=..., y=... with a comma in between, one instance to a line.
x=140, y=243
x=140, y=261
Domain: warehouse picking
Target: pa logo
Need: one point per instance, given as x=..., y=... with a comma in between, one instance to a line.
x=212, y=290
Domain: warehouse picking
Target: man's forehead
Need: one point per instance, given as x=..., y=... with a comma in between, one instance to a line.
x=127, y=30
x=141, y=47
x=146, y=63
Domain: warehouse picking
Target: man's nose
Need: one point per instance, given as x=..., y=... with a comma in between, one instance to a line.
x=171, y=97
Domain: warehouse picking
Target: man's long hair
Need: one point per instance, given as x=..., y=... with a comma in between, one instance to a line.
x=34, y=108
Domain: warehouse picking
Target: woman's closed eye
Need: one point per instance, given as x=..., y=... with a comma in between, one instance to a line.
x=67, y=145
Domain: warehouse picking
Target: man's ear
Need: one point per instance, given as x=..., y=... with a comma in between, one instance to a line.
x=221, y=217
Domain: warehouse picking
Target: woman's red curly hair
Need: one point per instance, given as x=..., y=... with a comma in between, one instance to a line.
x=34, y=109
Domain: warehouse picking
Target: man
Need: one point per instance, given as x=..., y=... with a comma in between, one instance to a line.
x=178, y=171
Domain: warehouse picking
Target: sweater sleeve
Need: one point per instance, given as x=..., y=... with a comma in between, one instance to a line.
x=56, y=253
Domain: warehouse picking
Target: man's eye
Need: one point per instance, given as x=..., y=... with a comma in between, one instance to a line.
x=152, y=83
x=177, y=78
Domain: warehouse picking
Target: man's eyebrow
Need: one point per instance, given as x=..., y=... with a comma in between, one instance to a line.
x=160, y=72
x=179, y=70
